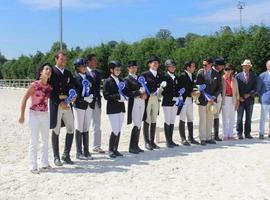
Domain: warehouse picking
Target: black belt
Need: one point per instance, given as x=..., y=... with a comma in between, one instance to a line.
x=228, y=95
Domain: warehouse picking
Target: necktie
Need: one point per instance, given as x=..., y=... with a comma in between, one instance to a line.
x=208, y=75
x=246, y=77
x=93, y=74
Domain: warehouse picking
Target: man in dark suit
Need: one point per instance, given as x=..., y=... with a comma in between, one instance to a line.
x=247, y=82
x=211, y=79
x=91, y=62
x=62, y=81
x=187, y=81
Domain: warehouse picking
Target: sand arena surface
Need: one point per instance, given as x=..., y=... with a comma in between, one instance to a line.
x=228, y=170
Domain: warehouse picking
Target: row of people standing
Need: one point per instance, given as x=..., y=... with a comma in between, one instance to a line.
x=143, y=104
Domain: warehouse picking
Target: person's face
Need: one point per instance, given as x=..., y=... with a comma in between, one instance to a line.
x=192, y=68
x=116, y=71
x=207, y=65
x=246, y=67
x=171, y=69
x=228, y=71
x=154, y=65
x=82, y=69
x=46, y=72
x=219, y=67
x=61, y=60
x=133, y=69
x=268, y=65
x=92, y=62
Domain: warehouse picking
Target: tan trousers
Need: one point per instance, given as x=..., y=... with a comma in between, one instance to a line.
x=152, y=109
x=206, y=120
x=67, y=117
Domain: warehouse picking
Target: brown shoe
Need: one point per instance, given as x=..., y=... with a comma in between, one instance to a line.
x=98, y=150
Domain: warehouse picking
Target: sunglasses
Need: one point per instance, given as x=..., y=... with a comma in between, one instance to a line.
x=227, y=69
x=204, y=65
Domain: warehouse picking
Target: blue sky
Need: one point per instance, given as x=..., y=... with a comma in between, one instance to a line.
x=31, y=25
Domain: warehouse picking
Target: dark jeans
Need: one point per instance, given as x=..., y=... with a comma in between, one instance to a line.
x=246, y=107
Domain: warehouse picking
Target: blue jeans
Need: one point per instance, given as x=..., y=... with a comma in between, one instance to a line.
x=248, y=109
x=264, y=110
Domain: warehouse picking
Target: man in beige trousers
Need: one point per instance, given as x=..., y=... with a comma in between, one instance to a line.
x=207, y=100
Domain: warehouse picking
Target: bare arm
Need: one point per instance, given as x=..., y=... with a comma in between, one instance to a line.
x=28, y=93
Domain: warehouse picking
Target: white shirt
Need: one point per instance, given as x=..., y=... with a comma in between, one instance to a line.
x=215, y=69
x=189, y=74
x=61, y=70
x=82, y=75
x=115, y=78
x=171, y=75
x=153, y=72
x=133, y=75
x=89, y=69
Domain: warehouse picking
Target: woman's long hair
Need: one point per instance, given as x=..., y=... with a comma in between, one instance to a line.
x=40, y=69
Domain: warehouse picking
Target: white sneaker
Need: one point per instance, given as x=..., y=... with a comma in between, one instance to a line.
x=34, y=171
x=45, y=169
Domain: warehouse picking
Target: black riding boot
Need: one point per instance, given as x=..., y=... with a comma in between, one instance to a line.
x=112, y=140
x=182, y=133
x=68, y=144
x=86, y=146
x=167, y=135
x=146, y=136
x=55, y=147
x=132, y=143
x=171, y=136
x=152, y=136
x=78, y=140
x=137, y=141
x=116, y=152
x=190, y=133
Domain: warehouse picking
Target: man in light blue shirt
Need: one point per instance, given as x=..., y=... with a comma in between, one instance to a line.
x=263, y=89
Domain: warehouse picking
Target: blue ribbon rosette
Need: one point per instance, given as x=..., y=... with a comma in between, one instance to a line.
x=86, y=88
x=142, y=81
x=71, y=94
x=180, y=101
x=206, y=95
x=121, y=86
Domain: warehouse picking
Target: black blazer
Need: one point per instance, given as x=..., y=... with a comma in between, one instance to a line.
x=213, y=86
x=61, y=84
x=153, y=82
x=132, y=91
x=80, y=102
x=170, y=91
x=185, y=82
x=247, y=88
x=111, y=94
x=96, y=82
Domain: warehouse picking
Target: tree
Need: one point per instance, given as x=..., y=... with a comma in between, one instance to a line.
x=2, y=61
x=56, y=47
x=163, y=34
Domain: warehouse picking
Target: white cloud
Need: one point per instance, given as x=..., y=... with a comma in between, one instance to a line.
x=89, y=4
x=252, y=14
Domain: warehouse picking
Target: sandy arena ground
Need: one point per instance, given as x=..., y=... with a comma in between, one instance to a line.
x=228, y=170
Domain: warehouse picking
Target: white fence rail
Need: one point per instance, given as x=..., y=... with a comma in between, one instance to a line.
x=15, y=83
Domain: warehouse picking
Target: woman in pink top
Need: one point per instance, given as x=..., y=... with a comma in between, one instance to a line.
x=39, y=91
